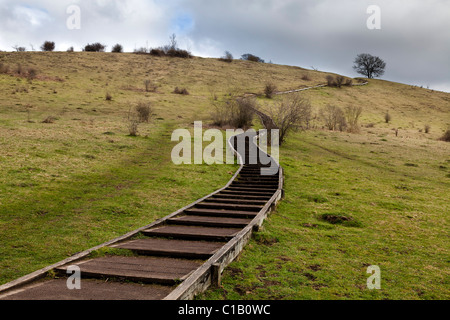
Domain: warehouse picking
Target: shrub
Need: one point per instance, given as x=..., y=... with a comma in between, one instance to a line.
x=178, y=53
x=234, y=111
x=149, y=86
x=141, y=50
x=446, y=136
x=108, y=97
x=50, y=119
x=31, y=73
x=95, y=47
x=251, y=57
x=270, y=90
x=352, y=114
x=157, y=52
x=387, y=117
x=306, y=78
x=330, y=81
x=292, y=113
x=228, y=57
x=427, y=128
x=181, y=91
x=144, y=111
x=48, y=46
x=3, y=68
x=339, y=81
x=117, y=48
x=70, y=49
x=334, y=118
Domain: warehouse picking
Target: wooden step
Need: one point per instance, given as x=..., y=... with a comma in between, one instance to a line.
x=241, y=194
x=229, y=206
x=251, y=191
x=172, y=248
x=91, y=289
x=242, y=197
x=211, y=221
x=224, y=199
x=221, y=213
x=140, y=269
x=193, y=233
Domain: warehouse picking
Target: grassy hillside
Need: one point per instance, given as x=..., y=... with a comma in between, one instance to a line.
x=82, y=180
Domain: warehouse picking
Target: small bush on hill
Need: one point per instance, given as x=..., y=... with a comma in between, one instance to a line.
x=251, y=57
x=446, y=136
x=270, y=90
x=118, y=48
x=48, y=46
x=228, y=57
x=95, y=47
x=181, y=91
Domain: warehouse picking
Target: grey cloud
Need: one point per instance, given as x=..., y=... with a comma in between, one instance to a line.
x=327, y=34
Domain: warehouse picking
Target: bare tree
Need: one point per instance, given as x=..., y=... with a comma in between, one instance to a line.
x=369, y=66
x=291, y=113
x=334, y=118
x=352, y=114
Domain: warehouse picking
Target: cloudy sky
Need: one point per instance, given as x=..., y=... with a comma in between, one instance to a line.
x=414, y=39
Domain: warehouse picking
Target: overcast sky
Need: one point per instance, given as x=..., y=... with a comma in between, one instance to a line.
x=414, y=39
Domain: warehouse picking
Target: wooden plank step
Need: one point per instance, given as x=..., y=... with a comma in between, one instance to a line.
x=244, y=197
x=172, y=248
x=253, y=185
x=224, y=199
x=232, y=206
x=139, y=269
x=193, y=233
x=251, y=190
x=221, y=213
x=211, y=221
x=91, y=289
x=268, y=195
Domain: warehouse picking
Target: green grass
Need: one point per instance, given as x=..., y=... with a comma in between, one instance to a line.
x=352, y=200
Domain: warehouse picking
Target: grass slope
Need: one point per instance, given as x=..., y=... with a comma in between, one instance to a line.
x=82, y=180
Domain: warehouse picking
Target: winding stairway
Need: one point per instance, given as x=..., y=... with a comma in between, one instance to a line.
x=176, y=257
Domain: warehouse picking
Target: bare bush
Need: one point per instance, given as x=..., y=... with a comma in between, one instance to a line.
x=108, y=97
x=306, y=77
x=182, y=91
x=352, y=114
x=387, y=117
x=4, y=69
x=270, y=90
x=228, y=57
x=334, y=118
x=144, y=111
x=330, y=81
x=31, y=74
x=446, y=136
x=50, y=119
x=291, y=113
x=339, y=81
x=150, y=86
x=233, y=111
x=427, y=128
